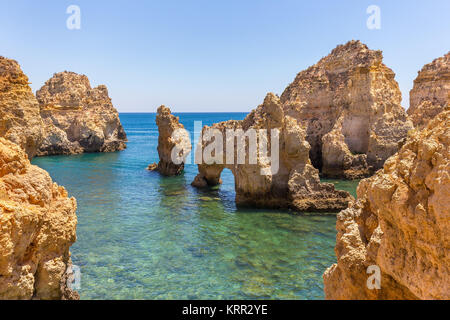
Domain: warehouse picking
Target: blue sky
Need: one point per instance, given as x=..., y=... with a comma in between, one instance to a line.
x=212, y=55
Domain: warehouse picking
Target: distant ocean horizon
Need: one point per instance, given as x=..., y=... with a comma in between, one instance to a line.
x=144, y=236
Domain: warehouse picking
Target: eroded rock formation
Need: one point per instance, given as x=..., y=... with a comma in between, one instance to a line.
x=174, y=144
x=350, y=103
x=20, y=121
x=431, y=91
x=37, y=227
x=400, y=223
x=294, y=183
x=78, y=118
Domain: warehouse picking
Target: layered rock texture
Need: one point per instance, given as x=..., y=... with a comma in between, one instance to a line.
x=174, y=144
x=78, y=118
x=37, y=219
x=67, y=117
x=20, y=121
x=400, y=223
x=293, y=183
x=350, y=103
x=37, y=227
x=431, y=91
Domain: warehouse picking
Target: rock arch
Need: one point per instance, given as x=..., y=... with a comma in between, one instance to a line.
x=295, y=184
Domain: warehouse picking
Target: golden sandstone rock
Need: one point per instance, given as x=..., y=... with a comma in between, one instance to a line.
x=400, y=223
x=431, y=91
x=294, y=183
x=78, y=118
x=344, y=113
x=37, y=219
x=172, y=138
x=67, y=117
x=350, y=103
x=37, y=227
x=20, y=121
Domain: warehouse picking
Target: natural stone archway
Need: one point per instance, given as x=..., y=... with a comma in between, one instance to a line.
x=294, y=183
x=350, y=103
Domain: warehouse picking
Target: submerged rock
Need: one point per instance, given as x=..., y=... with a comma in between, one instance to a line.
x=78, y=118
x=20, y=121
x=350, y=103
x=295, y=184
x=400, y=223
x=431, y=91
x=37, y=227
x=174, y=144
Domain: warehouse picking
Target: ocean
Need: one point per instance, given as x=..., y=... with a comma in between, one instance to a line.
x=143, y=236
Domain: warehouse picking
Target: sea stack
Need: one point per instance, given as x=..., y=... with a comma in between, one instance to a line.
x=78, y=118
x=174, y=144
x=350, y=103
x=20, y=121
x=399, y=224
x=295, y=183
x=37, y=223
x=431, y=91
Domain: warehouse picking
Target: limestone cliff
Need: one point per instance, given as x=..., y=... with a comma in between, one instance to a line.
x=78, y=118
x=20, y=121
x=293, y=184
x=431, y=91
x=350, y=103
x=37, y=227
x=174, y=144
x=400, y=223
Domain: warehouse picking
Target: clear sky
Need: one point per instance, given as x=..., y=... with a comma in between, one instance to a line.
x=212, y=55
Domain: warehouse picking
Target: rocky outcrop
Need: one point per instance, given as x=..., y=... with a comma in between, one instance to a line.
x=431, y=91
x=37, y=227
x=292, y=183
x=67, y=117
x=400, y=223
x=78, y=118
x=174, y=144
x=20, y=121
x=350, y=103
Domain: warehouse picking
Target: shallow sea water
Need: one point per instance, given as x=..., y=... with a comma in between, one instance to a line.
x=142, y=236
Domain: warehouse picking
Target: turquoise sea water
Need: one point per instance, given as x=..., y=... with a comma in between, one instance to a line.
x=142, y=236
